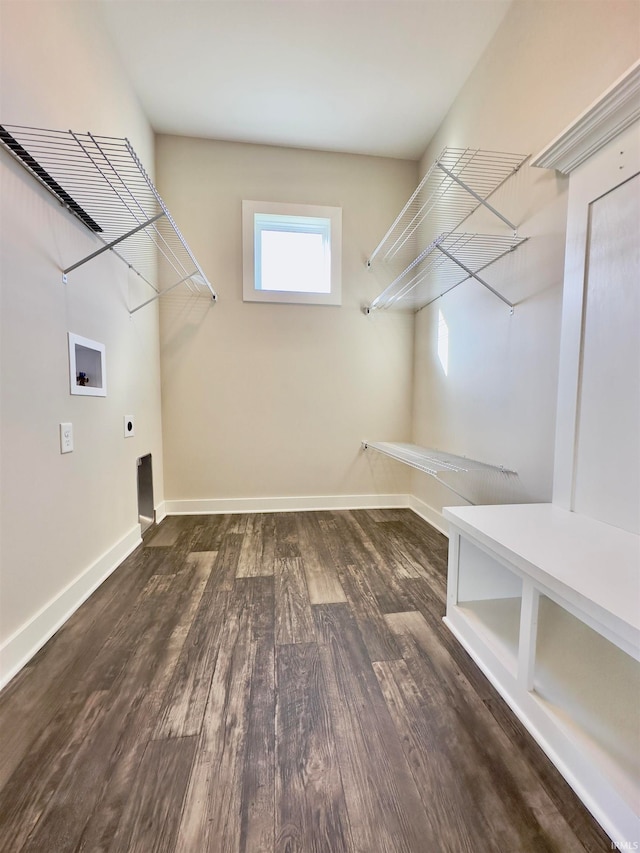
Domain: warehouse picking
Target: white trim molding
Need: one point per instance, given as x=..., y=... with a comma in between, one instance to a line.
x=219, y=506
x=292, y=219
x=429, y=514
x=18, y=650
x=214, y=506
x=612, y=113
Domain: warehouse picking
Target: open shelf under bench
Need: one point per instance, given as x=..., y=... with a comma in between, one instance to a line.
x=547, y=602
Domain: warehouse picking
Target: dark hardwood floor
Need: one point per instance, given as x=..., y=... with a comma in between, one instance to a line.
x=274, y=682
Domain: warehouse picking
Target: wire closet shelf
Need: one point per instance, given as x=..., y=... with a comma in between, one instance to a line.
x=423, y=253
x=101, y=180
x=439, y=465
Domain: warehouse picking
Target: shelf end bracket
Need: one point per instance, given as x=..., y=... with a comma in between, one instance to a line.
x=477, y=197
x=113, y=243
x=472, y=274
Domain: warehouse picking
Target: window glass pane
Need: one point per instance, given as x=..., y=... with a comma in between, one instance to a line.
x=294, y=261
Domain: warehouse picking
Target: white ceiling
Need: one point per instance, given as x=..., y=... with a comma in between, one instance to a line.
x=362, y=76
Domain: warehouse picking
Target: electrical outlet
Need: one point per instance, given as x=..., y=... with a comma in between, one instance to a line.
x=66, y=438
x=129, y=426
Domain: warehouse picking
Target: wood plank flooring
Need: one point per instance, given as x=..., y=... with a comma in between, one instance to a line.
x=274, y=682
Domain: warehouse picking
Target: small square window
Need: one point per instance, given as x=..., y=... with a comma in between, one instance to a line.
x=292, y=253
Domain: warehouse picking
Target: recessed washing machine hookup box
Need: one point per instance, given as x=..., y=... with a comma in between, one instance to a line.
x=87, y=368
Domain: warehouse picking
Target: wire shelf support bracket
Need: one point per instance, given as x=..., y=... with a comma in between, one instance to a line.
x=424, y=252
x=101, y=181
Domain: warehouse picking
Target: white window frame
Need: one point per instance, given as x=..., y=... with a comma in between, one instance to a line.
x=333, y=231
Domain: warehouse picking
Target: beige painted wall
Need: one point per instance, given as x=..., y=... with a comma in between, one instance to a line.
x=546, y=64
x=60, y=514
x=273, y=400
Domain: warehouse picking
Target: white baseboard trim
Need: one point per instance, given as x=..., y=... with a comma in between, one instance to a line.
x=433, y=516
x=18, y=650
x=161, y=511
x=215, y=506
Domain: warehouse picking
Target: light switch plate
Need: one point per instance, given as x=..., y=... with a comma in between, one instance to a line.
x=129, y=426
x=66, y=438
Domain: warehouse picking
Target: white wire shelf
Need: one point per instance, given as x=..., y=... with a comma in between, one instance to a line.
x=101, y=180
x=446, y=263
x=420, y=251
x=444, y=466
